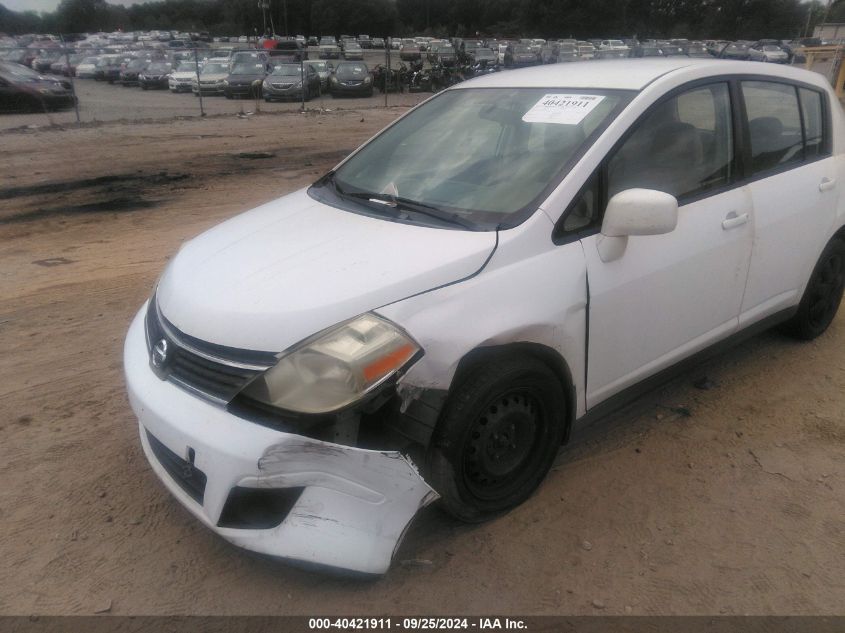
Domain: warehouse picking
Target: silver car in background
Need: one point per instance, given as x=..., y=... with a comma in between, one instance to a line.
x=768, y=53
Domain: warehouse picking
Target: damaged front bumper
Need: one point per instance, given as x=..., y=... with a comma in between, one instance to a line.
x=314, y=502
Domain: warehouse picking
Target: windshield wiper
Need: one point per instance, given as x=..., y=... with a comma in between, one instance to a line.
x=414, y=207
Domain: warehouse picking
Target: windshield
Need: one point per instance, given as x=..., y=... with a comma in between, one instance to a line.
x=248, y=69
x=287, y=70
x=20, y=73
x=319, y=67
x=215, y=68
x=186, y=66
x=506, y=147
x=158, y=68
x=351, y=71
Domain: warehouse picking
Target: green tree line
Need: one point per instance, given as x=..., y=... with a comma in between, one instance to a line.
x=728, y=19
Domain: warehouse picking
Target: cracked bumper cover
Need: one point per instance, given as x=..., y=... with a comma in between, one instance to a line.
x=355, y=504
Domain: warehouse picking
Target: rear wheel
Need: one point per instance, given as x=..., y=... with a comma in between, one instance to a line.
x=823, y=294
x=497, y=438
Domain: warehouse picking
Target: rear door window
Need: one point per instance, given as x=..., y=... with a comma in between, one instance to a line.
x=811, y=107
x=774, y=124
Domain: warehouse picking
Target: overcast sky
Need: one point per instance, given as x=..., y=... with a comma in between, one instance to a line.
x=46, y=5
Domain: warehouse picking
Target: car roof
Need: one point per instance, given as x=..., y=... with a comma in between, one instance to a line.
x=628, y=74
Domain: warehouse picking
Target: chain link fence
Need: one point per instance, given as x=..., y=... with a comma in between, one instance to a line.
x=63, y=86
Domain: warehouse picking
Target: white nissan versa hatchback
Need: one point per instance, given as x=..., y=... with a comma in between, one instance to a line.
x=438, y=313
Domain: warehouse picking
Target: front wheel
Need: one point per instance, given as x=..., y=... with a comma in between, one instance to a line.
x=497, y=438
x=822, y=296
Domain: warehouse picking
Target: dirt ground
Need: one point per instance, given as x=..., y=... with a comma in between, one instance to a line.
x=721, y=498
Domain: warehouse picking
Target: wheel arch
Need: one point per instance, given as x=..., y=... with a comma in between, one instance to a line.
x=545, y=354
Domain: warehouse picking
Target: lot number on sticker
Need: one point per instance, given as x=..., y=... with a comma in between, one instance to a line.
x=563, y=109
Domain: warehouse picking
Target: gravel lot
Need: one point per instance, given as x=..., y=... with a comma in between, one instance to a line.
x=726, y=498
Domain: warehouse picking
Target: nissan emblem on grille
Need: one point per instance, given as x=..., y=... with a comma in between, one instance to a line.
x=159, y=356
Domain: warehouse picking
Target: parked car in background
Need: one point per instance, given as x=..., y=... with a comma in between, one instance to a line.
x=409, y=51
x=445, y=55
x=245, y=79
x=768, y=53
x=567, y=53
x=521, y=55
x=353, y=51
x=182, y=77
x=646, y=50
x=288, y=81
x=212, y=77
x=288, y=52
x=324, y=70
x=329, y=49
x=365, y=42
x=484, y=56
x=46, y=58
x=613, y=45
x=155, y=75
x=586, y=51
x=673, y=50
x=109, y=67
x=697, y=50
x=250, y=57
x=378, y=42
x=129, y=72
x=86, y=68
x=351, y=79
x=24, y=90
x=734, y=50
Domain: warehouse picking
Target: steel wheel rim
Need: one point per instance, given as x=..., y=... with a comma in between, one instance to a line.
x=502, y=444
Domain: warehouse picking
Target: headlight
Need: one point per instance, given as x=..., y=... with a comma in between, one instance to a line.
x=367, y=79
x=225, y=82
x=336, y=368
x=265, y=84
x=334, y=79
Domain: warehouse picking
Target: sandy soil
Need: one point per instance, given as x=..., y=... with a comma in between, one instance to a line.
x=735, y=508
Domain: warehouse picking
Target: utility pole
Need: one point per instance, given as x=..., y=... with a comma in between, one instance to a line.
x=264, y=5
x=70, y=75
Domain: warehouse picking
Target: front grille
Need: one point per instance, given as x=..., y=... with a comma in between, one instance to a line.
x=214, y=372
x=281, y=86
x=189, y=478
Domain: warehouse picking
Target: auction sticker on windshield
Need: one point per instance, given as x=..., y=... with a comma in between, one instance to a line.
x=562, y=108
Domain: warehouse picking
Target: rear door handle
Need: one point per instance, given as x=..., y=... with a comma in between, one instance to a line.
x=827, y=184
x=733, y=220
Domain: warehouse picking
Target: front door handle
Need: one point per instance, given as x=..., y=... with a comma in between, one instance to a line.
x=733, y=220
x=827, y=184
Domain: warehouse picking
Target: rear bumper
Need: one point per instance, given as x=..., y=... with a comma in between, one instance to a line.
x=350, y=506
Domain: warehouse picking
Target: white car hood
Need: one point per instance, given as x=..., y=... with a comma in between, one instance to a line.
x=275, y=275
x=184, y=74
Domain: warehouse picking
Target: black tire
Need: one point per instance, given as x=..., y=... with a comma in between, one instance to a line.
x=822, y=296
x=497, y=438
